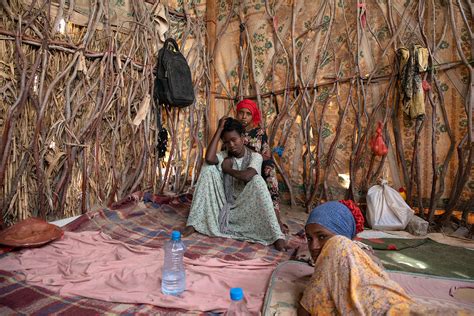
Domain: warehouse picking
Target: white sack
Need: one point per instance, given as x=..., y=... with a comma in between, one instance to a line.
x=386, y=209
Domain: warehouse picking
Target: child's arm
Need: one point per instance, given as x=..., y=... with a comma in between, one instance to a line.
x=211, y=152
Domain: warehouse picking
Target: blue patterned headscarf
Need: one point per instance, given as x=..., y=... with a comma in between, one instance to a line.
x=335, y=217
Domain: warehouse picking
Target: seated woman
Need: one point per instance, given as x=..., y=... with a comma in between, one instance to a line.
x=346, y=281
x=231, y=198
x=256, y=139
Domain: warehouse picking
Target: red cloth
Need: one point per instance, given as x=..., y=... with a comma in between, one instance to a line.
x=426, y=85
x=253, y=108
x=355, y=210
x=92, y=264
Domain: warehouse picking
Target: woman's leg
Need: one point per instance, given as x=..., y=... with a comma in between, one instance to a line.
x=208, y=199
x=253, y=218
x=269, y=175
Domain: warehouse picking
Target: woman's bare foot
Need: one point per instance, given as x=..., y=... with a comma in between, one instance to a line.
x=188, y=230
x=280, y=245
x=284, y=228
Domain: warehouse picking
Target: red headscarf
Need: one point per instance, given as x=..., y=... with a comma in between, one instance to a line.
x=355, y=210
x=252, y=107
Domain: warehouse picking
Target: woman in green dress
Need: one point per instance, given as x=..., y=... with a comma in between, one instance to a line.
x=231, y=198
x=256, y=139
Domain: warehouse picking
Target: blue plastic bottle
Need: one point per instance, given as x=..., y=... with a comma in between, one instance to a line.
x=237, y=307
x=174, y=276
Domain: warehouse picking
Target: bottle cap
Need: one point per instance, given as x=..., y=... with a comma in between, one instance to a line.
x=236, y=294
x=175, y=235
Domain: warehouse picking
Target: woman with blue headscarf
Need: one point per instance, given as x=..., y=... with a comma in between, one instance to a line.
x=346, y=281
x=329, y=219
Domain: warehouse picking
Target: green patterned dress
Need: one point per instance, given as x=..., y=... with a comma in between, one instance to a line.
x=251, y=218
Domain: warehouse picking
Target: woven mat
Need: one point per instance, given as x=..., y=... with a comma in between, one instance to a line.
x=141, y=219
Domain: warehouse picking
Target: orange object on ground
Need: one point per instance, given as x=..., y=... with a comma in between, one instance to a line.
x=30, y=232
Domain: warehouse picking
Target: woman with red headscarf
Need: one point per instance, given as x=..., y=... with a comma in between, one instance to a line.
x=256, y=139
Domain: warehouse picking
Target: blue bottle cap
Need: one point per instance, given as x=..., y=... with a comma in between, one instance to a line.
x=175, y=235
x=236, y=294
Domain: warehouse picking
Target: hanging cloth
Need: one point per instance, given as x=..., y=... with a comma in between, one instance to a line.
x=413, y=61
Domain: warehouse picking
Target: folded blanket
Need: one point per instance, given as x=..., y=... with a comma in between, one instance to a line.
x=93, y=265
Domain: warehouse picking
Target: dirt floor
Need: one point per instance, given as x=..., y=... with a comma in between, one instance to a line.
x=296, y=213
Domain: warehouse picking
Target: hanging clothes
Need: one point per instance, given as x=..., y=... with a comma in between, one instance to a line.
x=413, y=61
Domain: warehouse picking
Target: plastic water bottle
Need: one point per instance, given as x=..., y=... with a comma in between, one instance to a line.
x=237, y=307
x=174, y=276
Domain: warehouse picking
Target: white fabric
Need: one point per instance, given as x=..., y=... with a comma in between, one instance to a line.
x=255, y=162
x=386, y=209
x=64, y=221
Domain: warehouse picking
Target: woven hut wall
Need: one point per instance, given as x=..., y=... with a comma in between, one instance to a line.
x=77, y=114
x=78, y=121
x=324, y=73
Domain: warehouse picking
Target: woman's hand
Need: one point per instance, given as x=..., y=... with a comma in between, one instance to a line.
x=227, y=164
x=222, y=122
x=211, y=152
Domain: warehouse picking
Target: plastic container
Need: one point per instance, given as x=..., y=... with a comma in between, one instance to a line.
x=237, y=307
x=173, y=280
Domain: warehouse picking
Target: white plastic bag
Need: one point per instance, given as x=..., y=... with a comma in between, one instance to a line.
x=386, y=209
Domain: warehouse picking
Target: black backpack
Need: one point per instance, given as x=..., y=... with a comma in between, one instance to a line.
x=173, y=82
x=173, y=87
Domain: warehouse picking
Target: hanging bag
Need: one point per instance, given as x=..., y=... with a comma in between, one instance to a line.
x=173, y=87
x=173, y=82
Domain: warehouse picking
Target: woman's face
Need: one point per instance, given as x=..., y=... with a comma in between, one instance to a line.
x=245, y=117
x=234, y=143
x=317, y=236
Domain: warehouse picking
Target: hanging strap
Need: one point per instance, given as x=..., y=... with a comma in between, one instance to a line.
x=162, y=134
x=159, y=124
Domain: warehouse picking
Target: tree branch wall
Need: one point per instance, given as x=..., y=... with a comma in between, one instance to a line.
x=72, y=138
x=323, y=73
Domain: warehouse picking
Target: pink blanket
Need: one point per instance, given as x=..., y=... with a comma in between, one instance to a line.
x=93, y=265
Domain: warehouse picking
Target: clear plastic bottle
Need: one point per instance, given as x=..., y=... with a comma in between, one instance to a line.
x=174, y=276
x=237, y=307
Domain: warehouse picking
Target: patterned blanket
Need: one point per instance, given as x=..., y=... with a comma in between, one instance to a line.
x=289, y=280
x=142, y=219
